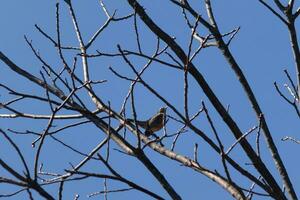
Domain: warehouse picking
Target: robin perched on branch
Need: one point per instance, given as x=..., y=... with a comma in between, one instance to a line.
x=155, y=123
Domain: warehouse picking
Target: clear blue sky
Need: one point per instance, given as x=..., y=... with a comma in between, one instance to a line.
x=261, y=48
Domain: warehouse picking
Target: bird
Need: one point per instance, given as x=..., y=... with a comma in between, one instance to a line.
x=154, y=124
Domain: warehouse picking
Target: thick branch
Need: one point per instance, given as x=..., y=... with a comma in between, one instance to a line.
x=257, y=162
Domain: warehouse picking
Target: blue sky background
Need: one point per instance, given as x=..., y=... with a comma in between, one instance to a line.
x=261, y=48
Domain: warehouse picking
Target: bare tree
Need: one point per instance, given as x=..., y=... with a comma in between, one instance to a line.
x=70, y=93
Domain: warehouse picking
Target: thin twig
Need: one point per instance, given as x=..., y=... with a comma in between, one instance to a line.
x=239, y=139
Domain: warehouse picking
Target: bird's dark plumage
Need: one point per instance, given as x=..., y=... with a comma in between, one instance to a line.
x=153, y=124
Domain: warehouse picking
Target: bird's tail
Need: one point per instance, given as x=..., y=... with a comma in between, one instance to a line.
x=148, y=132
x=142, y=124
